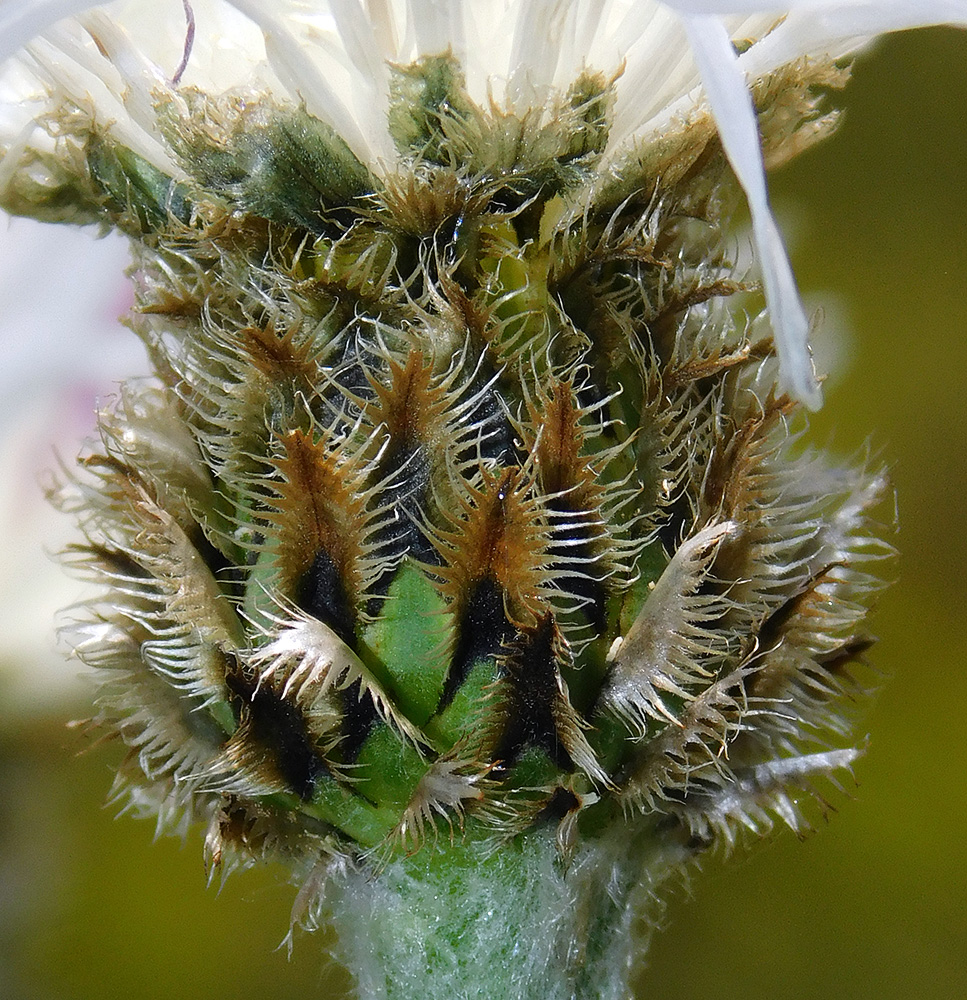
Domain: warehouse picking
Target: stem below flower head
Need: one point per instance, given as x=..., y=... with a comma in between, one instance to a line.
x=508, y=925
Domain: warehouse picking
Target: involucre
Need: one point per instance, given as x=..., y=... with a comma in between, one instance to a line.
x=462, y=553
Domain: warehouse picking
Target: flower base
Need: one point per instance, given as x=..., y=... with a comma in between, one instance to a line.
x=465, y=921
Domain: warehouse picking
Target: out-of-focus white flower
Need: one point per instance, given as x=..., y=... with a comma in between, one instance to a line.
x=336, y=57
x=61, y=351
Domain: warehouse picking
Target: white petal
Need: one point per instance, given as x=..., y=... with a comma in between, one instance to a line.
x=656, y=89
x=541, y=34
x=383, y=20
x=66, y=60
x=873, y=16
x=814, y=28
x=298, y=71
x=358, y=35
x=437, y=26
x=141, y=77
x=735, y=116
x=23, y=20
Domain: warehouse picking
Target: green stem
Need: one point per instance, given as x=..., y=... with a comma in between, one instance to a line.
x=467, y=922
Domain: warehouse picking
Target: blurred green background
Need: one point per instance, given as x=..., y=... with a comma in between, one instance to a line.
x=871, y=907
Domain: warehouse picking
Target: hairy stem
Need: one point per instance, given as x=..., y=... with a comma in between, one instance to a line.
x=511, y=924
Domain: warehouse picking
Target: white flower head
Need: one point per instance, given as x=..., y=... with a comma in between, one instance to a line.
x=672, y=60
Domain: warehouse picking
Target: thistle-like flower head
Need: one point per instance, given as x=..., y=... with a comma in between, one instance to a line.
x=465, y=536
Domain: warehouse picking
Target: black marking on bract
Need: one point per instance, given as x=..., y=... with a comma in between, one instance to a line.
x=114, y=562
x=849, y=653
x=321, y=593
x=562, y=802
x=358, y=717
x=350, y=375
x=530, y=691
x=481, y=632
x=675, y=527
x=230, y=577
x=407, y=467
x=494, y=441
x=592, y=595
x=256, y=541
x=579, y=543
x=674, y=794
x=774, y=628
x=524, y=191
x=280, y=728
